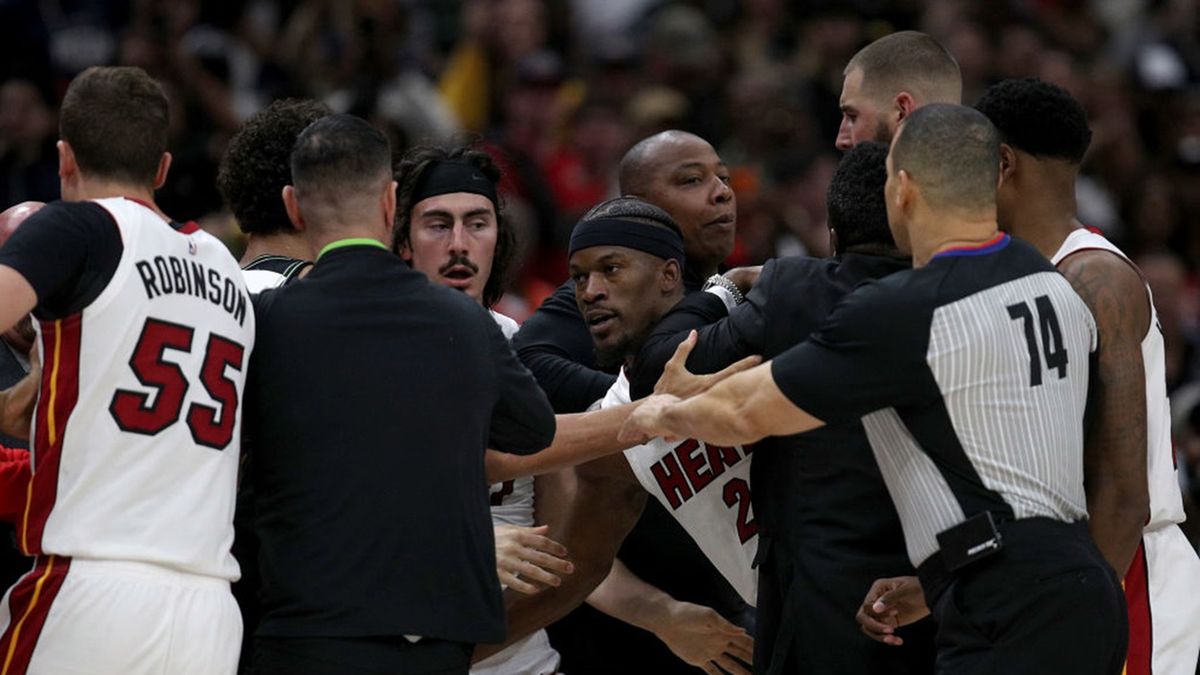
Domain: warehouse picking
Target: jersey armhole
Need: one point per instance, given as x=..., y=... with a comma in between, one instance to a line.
x=1136, y=270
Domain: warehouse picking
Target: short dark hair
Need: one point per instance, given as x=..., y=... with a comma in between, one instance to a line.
x=410, y=169
x=340, y=154
x=257, y=164
x=633, y=209
x=952, y=152
x=1039, y=118
x=855, y=201
x=115, y=120
x=912, y=61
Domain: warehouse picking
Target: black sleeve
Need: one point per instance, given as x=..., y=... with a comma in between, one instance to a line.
x=869, y=355
x=723, y=336
x=522, y=419
x=557, y=348
x=68, y=252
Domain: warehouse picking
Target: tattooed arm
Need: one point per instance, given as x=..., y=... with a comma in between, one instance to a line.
x=1115, y=423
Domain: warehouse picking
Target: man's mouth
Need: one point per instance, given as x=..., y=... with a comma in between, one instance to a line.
x=600, y=321
x=459, y=276
x=723, y=221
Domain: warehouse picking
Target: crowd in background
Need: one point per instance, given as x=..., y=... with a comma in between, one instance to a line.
x=558, y=90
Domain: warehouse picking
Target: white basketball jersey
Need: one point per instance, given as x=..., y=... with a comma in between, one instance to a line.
x=707, y=489
x=137, y=428
x=1166, y=503
x=512, y=504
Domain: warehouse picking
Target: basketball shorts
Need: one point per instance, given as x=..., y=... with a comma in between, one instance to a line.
x=71, y=617
x=1164, y=609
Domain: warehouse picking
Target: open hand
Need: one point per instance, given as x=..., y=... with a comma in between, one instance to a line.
x=678, y=381
x=527, y=560
x=703, y=638
x=646, y=421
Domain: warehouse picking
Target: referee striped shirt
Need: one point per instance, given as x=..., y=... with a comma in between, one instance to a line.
x=970, y=376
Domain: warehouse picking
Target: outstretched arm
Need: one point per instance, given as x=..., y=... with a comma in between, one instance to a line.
x=742, y=409
x=18, y=401
x=1115, y=423
x=697, y=635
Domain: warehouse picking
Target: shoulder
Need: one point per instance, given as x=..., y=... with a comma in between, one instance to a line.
x=507, y=325
x=1109, y=284
x=79, y=215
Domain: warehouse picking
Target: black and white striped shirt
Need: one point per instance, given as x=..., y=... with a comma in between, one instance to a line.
x=970, y=376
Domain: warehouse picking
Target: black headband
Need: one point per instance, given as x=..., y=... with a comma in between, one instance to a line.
x=658, y=241
x=447, y=177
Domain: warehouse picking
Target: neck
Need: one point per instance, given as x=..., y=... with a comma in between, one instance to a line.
x=284, y=242
x=943, y=231
x=94, y=188
x=329, y=236
x=1045, y=216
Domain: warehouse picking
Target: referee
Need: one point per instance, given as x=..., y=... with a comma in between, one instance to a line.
x=970, y=375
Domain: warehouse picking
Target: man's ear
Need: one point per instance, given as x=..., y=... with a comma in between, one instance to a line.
x=906, y=191
x=389, y=209
x=670, y=276
x=67, y=166
x=292, y=206
x=833, y=244
x=164, y=165
x=1008, y=163
x=902, y=106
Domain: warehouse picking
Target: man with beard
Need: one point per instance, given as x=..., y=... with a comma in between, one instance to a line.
x=890, y=78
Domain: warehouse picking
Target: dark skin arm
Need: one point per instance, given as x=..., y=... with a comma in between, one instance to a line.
x=606, y=504
x=1115, y=422
x=18, y=401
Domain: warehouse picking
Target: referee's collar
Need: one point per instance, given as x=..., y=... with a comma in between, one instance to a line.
x=991, y=246
x=352, y=241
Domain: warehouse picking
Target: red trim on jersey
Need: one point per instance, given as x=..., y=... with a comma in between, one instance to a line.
x=1137, y=598
x=29, y=604
x=56, y=401
x=1094, y=230
x=14, y=483
x=190, y=227
x=959, y=250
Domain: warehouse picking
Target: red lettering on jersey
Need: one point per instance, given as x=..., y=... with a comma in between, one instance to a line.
x=694, y=464
x=737, y=493
x=506, y=489
x=671, y=480
x=720, y=457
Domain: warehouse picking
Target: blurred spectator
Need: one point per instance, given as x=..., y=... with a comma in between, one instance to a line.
x=28, y=130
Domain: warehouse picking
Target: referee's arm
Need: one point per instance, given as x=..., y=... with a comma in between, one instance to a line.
x=522, y=419
x=742, y=409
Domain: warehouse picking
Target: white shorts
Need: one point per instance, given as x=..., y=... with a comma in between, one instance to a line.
x=1164, y=609
x=71, y=617
x=531, y=656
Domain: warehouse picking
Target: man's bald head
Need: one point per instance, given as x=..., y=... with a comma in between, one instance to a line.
x=908, y=61
x=953, y=153
x=646, y=158
x=682, y=174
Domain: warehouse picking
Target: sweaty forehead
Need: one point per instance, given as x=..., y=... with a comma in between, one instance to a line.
x=455, y=203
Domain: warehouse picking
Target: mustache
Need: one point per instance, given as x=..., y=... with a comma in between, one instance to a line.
x=459, y=260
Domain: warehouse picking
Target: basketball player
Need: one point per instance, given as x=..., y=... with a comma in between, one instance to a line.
x=970, y=375
x=1134, y=502
x=144, y=328
x=682, y=174
x=253, y=172
x=890, y=78
x=450, y=227
x=827, y=526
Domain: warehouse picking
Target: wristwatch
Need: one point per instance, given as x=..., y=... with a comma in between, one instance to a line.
x=718, y=281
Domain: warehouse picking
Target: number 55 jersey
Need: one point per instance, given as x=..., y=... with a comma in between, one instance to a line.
x=145, y=329
x=707, y=489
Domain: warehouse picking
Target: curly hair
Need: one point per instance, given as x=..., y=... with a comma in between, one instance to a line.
x=256, y=164
x=1038, y=117
x=855, y=201
x=410, y=169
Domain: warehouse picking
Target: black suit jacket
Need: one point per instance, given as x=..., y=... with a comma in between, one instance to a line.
x=372, y=396
x=827, y=525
